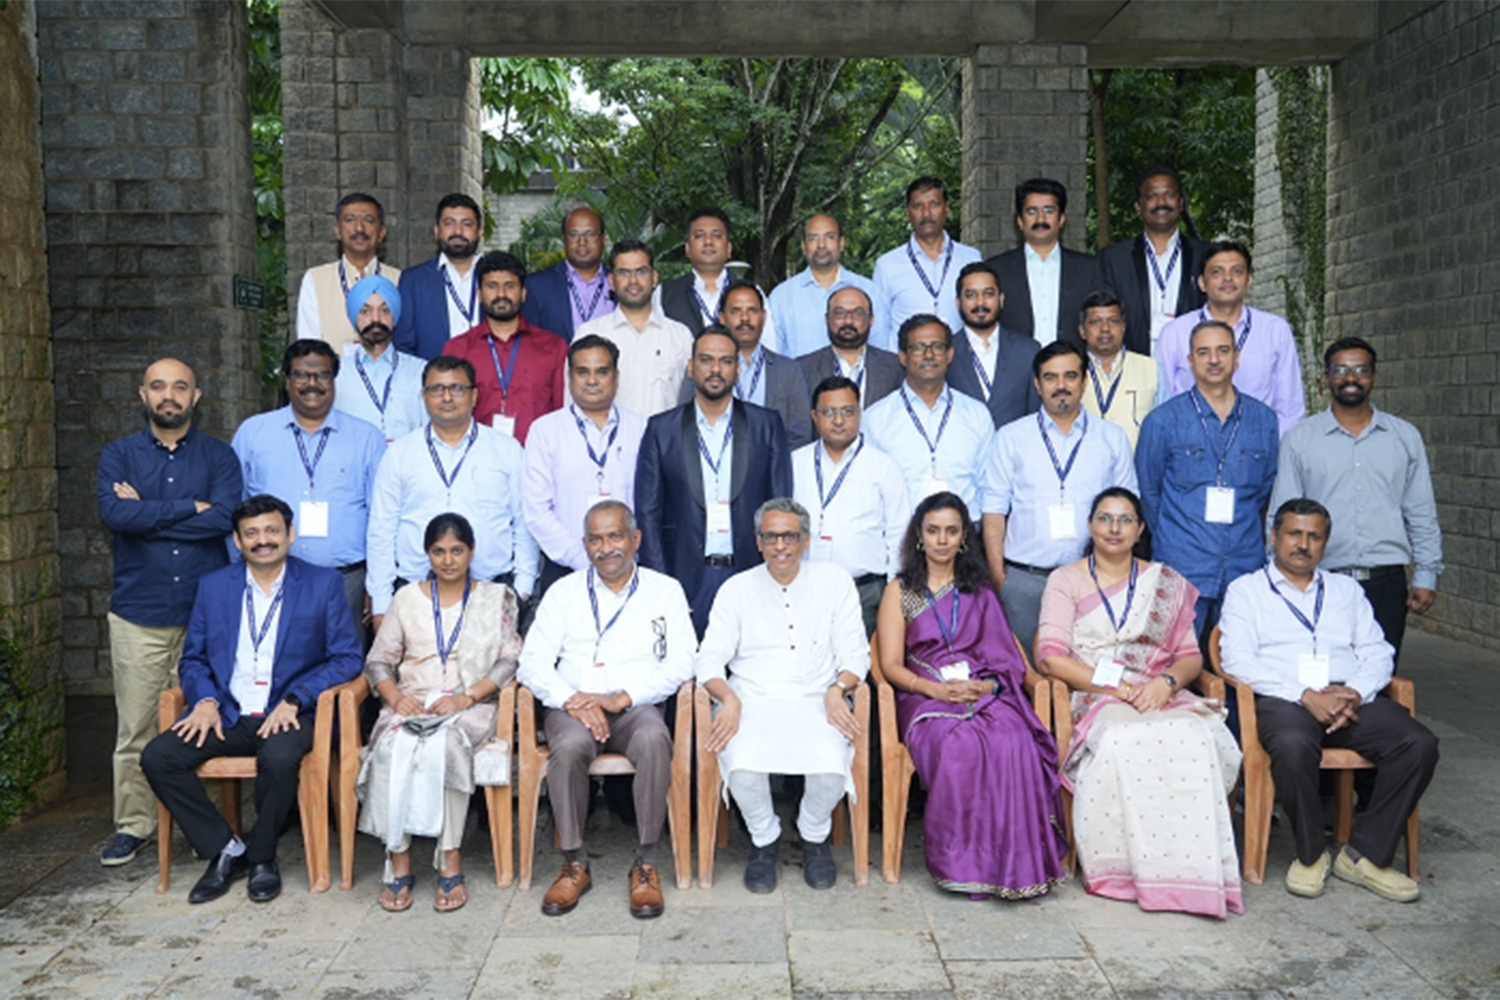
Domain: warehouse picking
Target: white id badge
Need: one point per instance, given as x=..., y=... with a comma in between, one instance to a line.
x=822, y=546
x=312, y=519
x=505, y=424
x=958, y=671
x=1218, y=505
x=1061, y=523
x=718, y=517
x=934, y=484
x=1312, y=671
x=1108, y=673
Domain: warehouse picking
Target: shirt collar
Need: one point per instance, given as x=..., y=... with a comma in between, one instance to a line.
x=916, y=247
x=612, y=420
x=1079, y=422
x=355, y=348
x=157, y=442
x=275, y=584
x=1279, y=580
x=1379, y=420
x=943, y=397
x=332, y=421
x=443, y=263
x=703, y=418
x=1171, y=245
x=351, y=269
x=1032, y=257
x=573, y=275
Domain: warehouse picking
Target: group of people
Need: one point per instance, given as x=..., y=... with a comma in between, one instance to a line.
x=605, y=487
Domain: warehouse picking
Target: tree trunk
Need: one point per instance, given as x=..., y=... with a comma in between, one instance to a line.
x=1098, y=87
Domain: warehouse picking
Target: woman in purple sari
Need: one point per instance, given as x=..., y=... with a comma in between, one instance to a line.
x=993, y=820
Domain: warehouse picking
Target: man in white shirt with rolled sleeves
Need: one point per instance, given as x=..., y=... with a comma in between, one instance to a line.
x=855, y=493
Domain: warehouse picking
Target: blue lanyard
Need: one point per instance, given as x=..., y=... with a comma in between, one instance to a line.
x=311, y=467
x=1129, y=595
x=1161, y=281
x=584, y=315
x=936, y=293
x=1105, y=402
x=259, y=631
x=467, y=314
x=1062, y=470
x=932, y=443
x=712, y=317
x=723, y=447
x=598, y=459
x=635, y=581
x=949, y=631
x=449, y=480
x=504, y=375
x=1236, y=417
x=755, y=372
x=385, y=396
x=1311, y=626
x=344, y=281
x=445, y=649
x=824, y=501
x=984, y=379
x=1239, y=345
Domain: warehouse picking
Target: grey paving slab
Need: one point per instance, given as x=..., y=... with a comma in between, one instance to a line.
x=37, y=921
x=423, y=938
x=968, y=929
x=878, y=906
x=429, y=982
x=866, y=961
x=19, y=963
x=122, y=957
x=1136, y=957
x=1461, y=957
x=740, y=935
x=767, y=980
x=1371, y=975
x=577, y=969
x=1042, y=979
x=251, y=967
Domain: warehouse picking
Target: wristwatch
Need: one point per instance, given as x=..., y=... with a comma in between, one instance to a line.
x=1171, y=681
x=840, y=685
x=293, y=701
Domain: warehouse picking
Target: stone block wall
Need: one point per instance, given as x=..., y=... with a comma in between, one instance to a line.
x=1414, y=266
x=1274, y=254
x=1025, y=114
x=146, y=151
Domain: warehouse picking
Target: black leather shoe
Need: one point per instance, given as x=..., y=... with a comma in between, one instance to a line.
x=222, y=871
x=760, y=870
x=265, y=882
x=818, y=867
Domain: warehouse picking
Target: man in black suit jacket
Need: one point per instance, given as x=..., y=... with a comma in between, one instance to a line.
x=702, y=471
x=766, y=378
x=1168, y=270
x=578, y=286
x=696, y=298
x=1041, y=213
x=876, y=372
x=990, y=363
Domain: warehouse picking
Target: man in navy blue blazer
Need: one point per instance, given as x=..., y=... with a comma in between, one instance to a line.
x=703, y=469
x=567, y=295
x=264, y=640
x=440, y=297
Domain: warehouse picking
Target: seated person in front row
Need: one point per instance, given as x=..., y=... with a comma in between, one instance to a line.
x=1118, y=630
x=790, y=634
x=1308, y=643
x=993, y=823
x=445, y=648
x=266, y=637
x=607, y=648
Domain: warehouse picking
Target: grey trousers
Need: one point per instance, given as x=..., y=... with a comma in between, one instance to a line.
x=641, y=735
x=1021, y=597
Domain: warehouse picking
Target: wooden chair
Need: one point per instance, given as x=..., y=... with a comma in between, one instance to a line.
x=312, y=787
x=1260, y=790
x=897, y=767
x=713, y=812
x=534, y=755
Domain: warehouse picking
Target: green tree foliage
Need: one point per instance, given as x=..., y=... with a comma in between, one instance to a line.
x=1302, y=159
x=528, y=124
x=268, y=156
x=1201, y=122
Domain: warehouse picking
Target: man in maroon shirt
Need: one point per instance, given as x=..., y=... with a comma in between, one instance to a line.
x=520, y=367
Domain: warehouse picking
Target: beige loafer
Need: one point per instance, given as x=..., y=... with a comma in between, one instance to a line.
x=1308, y=881
x=1387, y=883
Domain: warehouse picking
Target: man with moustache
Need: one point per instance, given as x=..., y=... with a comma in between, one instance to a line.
x=703, y=470
x=165, y=493
x=695, y=299
x=320, y=462
x=1043, y=473
x=766, y=378
x=608, y=647
x=520, y=367
x=441, y=295
x=264, y=641
x=1046, y=282
x=990, y=363
x=798, y=304
x=1204, y=462
x=938, y=436
x=1372, y=465
x=911, y=279
x=568, y=294
x=377, y=383
x=359, y=227
x=1122, y=383
x=848, y=353
x=654, y=348
x=1153, y=273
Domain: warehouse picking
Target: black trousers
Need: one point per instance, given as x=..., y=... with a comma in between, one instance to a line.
x=170, y=766
x=1386, y=593
x=1404, y=751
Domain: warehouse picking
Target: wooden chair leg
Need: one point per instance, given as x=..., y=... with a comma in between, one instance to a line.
x=680, y=823
x=164, y=847
x=229, y=792
x=840, y=832
x=530, y=799
x=709, y=805
x=312, y=800
x=497, y=798
x=1070, y=860
x=897, y=791
x=1260, y=795
x=1343, y=805
x=1412, y=867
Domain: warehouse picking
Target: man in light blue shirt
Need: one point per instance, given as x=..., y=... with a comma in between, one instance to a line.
x=452, y=464
x=1043, y=473
x=377, y=383
x=917, y=276
x=937, y=436
x=320, y=462
x=799, y=304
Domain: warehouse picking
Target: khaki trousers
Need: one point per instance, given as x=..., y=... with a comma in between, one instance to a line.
x=144, y=659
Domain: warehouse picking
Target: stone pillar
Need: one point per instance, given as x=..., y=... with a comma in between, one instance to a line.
x=1412, y=267
x=31, y=696
x=443, y=140
x=150, y=216
x=1025, y=114
x=1274, y=254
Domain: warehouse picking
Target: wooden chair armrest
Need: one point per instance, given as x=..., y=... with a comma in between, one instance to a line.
x=526, y=719
x=350, y=697
x=1040, y=688
x=505, y=712
x=1062, y=717
x=682, y=718
x=1210, y=685
x=1403, y=692
x=169, y=707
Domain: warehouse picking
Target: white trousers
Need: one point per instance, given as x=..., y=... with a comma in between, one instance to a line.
x=752, y=793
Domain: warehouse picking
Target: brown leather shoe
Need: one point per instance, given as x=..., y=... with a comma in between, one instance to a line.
x=571, y=883
x=645, y=892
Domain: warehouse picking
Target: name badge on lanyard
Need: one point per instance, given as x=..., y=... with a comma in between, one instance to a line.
x=1062, y=520
x=312, y=514
x=717, y=507
x=1218, y=500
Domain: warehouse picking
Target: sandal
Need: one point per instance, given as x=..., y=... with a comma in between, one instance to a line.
x=396, y=902
x=451, y=894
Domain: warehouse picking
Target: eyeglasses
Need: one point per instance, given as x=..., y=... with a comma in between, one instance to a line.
x=299, y=377
x=582, y=234
x=829, y=412
x=927, y=350
x=632, y=272
x=436, y=391
x=769, y=538
x=854, y=314
x=1117, y=520
x=1361, y=371
x=659, y=627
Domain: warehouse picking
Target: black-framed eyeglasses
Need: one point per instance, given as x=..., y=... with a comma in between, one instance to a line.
x=435, y=391
x=1361, y=371
x=769, y=538
x=659, y=647
x=299, y=377
x=829, y=412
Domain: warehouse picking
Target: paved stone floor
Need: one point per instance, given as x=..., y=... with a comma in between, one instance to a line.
x=69, y=928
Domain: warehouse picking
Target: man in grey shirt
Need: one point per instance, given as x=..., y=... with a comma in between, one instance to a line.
x=1371, y=469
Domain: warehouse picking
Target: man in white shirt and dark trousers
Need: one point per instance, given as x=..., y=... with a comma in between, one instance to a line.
x=1307, y=642
x=608, y=647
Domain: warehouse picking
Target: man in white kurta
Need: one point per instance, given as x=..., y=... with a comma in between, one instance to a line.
x=789, y=635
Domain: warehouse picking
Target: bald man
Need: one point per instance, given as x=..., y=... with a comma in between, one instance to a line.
x=166, y=493
x=798, y=304
x=567, y=295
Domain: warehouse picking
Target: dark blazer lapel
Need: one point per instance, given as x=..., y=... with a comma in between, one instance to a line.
x=225, y=637
x=1188, y=295
x=692, y=468
x=740, y=460
x=291, y=588
x=1138, y=261
x=961, y=372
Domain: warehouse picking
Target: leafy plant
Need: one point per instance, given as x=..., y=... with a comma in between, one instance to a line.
x=267, y=158
x=30, y=716
x=1302, y=159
